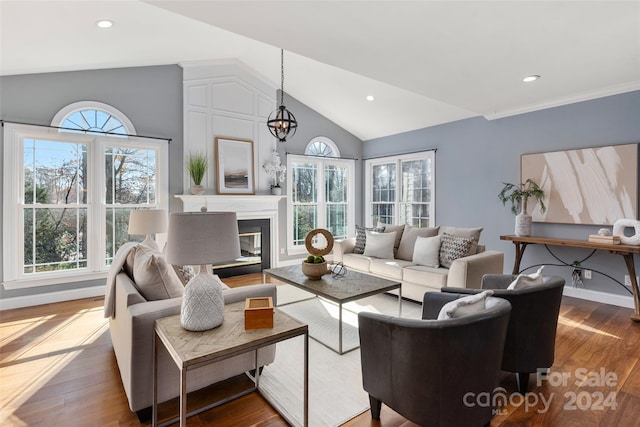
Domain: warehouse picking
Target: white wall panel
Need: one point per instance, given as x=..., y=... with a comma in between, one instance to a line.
x=265, y=107
x=228, y=99
x=232, y=97
x=196, y=96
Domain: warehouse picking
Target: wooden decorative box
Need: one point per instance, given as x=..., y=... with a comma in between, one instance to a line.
x=258, y=313
x=610, y=240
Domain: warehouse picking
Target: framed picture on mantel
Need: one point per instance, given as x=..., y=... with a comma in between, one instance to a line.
x=596, y=185
x=234, y=166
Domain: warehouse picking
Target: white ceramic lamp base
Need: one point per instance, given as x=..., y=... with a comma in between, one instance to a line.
x=202, y=303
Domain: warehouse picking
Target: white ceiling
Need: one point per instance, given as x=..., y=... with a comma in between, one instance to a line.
x=426, y=62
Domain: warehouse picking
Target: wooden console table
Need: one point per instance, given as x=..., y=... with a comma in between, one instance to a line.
x=626, y=251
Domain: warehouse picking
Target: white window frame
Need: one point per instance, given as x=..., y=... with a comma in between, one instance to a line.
x=13, y=203
x=369, y=164
x=321, y=162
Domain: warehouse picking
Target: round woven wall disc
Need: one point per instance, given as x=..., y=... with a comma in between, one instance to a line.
x=308, y=242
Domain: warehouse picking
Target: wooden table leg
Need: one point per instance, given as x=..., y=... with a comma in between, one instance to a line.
x=628, y=259
x=520, y=247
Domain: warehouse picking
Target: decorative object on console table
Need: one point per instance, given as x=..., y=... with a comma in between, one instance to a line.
x=618, y=231
x=315, y=266
x=197, y=167
x=518, y=195
x=234, y=165
x=202, y=238
x=277, y=171
x=148, y=221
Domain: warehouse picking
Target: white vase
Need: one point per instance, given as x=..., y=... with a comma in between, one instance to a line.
x=202, y=303
x=276, y=191
x=523, y=221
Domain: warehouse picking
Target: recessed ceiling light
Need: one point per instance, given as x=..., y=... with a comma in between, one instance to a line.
x=104, y=23
x=371, y=98
x=531, y=78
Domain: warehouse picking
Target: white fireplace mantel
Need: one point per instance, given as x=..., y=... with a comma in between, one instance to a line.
x=245, y=207
x=230, y=203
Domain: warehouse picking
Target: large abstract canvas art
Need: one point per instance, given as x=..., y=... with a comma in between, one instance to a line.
x=586, y=186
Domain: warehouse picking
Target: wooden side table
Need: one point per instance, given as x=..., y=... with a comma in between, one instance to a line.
x=190, y=350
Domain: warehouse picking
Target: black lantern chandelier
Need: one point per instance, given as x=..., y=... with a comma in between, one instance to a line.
x=282, y=123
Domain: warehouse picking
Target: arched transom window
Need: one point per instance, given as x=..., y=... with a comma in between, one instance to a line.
x=93, y=117
x=322, y=146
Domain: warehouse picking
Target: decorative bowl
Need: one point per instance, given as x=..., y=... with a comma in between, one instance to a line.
x=314, y=271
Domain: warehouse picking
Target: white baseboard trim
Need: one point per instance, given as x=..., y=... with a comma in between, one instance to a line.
x=51, y=297
x=597, y=296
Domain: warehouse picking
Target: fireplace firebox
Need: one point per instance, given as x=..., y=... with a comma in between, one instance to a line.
x=255, y=244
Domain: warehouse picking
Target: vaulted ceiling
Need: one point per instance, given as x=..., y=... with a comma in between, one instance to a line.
x=425, y=62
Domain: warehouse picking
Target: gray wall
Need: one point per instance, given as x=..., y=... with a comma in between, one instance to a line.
x=151, y=97
x=474, y=156
x=311, y=124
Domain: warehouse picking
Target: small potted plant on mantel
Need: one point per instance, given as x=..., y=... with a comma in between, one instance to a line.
x=518, y=195
x=277, y=171
x=197, y=167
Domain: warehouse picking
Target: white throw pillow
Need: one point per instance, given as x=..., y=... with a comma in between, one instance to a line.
x=408, y=240
x=427, y=251
x=379, y=245
x=153, y=276
x=464, y=306
x=524, y=281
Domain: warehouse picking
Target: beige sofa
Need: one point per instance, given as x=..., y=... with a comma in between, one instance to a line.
x=132, y=330
x=465, y=272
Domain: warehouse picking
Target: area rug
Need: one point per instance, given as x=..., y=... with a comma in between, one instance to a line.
x=335, y=382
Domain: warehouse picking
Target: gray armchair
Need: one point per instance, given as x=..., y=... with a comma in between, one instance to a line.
x=431, y=371
x=531, y=336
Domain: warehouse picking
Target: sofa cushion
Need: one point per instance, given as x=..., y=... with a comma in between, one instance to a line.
x=390, y=228
x=473, y=233
x=427, y=276
x=524, y=281
x=465, y=306
x=356, y=261
x=379, y=245
x=452, y=248
x=153, y=276
x=427, y=251
x=361, y=238
x=391, y=268
x=408, y=241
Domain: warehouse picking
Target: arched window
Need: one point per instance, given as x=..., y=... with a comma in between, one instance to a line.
x=93, y=117
x=79, y=186
x=322, y=146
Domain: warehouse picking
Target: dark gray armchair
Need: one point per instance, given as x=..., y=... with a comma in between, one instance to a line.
x=531, y=336
x=431, y=371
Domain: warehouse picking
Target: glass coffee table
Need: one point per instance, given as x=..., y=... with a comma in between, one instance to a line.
x=339, y=289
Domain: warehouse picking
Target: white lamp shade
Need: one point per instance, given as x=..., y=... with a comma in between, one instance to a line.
x=199, y=238
x=148, y=221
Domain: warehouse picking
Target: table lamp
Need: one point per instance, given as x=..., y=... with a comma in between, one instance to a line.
x=148, y=221
x=202, y=238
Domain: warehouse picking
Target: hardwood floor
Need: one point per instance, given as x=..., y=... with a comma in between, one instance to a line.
x=57, y=367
